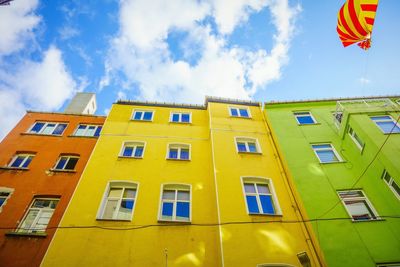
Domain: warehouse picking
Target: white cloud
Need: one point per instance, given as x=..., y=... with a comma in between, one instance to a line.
x=68, y=32
x=18, y=21
x=141, y=52
x=363, y=80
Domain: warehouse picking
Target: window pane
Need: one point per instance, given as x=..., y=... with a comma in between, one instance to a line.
x=173, y=153
x=381, y=118
x=185, y=117
x=138, y=115
x=37, y=127
x=71, y=163
x=267, y=205
x=148, y=115
x=139, y=151
x=167, y=209
x=348, y=194
x=111, y=206
x=59, y=129
x=234, y=112
x=183, y=195
x=41, y=203
x=2, y=199
x=327, y=156
x=396, y=187
x=168, y=194
x=241, y=147
x=128, y=150
x=252, y=147
x=91, y=130
x=182, y=210
x=17, y=162
x=387, y=177
x=98, y=130
x=28, y=160
x=252, y=204
x=28, y=221
x=81, y=129
x=359, y=210
x=305, y=120
x=4, y=194
x=249, y=188
x=243, y=113
x=175, y=117
x=387, y=126
x=184, y=153
x=61, y=163
x=125, y=211
x=321, y=146
x=129, y=193
x=43, y=220
x=263, y=189
x=115, y=192
x=49, y=128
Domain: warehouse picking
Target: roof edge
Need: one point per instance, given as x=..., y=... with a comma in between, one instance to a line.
x=64, y=113
x=330, y=99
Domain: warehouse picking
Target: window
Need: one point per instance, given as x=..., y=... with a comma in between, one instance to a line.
x=260, y=196
x=119, y=201
x=132, y=150
x=386, y=124
x=392, y=264
x=88, y=130
x=38, y=216
x=357, y=205
x=142, y=115
x=175, y=203
x=181, y=117
x=49, y=128
x=5, y=194
x=304, y=117
x=247, y=145
x=66, y=162
x=338, y=116
x=391, y=183
x=239, y=112
x=178, y=151
x=356, y=139
x=326, y=153
x=21, y=160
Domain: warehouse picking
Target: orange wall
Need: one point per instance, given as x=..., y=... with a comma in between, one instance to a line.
x=38, y=180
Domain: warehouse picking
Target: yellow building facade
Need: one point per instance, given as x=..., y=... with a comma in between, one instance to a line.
x=184, y=185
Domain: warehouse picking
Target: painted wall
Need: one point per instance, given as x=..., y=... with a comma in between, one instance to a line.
x=213, y=158
x=344, y=242
x=38, y=181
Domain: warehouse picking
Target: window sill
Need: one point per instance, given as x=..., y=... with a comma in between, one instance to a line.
x=83, y=136
x=179, y=122
x=308, y=124
x=126, y=157
x=50, y=135
x=238, y=117
x=249, y=153
x=166, y=222
x=67, y=171
x=39, y=234
x=178, y=159
x=14, y=168
x=265, y=214
x=112, y=220
x=142, y=120
x=373, y=220
x=327, y=163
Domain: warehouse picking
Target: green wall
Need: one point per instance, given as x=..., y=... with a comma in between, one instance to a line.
x=344, y=242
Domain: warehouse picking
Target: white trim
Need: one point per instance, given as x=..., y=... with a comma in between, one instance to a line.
x=363, y=198
x=86, y=129
x=135, y=143
x=69, y=156
x=261, y=180
x=25, y=155
x=175, y=186
x=180, y=117
x=297, y=114
x=352, y=136
x=122, y=184
x=8, y=190
x=238, y=111
x=143, y=110
x=390, y=183
x=180, y=146
x=333, y=149
x=246, y=140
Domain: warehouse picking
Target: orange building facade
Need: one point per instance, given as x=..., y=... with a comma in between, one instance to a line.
x=41, y=161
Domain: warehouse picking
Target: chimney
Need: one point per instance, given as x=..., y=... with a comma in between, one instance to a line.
x=82, y=103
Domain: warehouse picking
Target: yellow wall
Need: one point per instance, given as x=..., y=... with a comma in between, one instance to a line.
x=213, y=158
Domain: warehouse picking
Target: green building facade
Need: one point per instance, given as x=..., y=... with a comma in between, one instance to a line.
x=344, y=158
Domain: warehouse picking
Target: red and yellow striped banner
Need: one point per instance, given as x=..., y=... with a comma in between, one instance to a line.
x=355, y=22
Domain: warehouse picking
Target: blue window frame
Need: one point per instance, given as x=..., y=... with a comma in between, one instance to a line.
x=143, y=115
x=259, y=197
x=21, y=161
x=178, y=151
x=304, y=117
x=386, y=124
x=48, y=128
x=132, y=149
x=239, y=112
x=180, y=117
x=326, y=153
x=175, y=203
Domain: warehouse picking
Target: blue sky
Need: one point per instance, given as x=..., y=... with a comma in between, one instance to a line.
x=182, y=50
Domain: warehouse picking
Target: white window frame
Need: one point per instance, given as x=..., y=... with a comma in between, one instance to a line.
x=10, y=191
x=118, y=184
x=390, y=183
x=363, y=198
x=179, y=146
x=247, y=140
x=46, y=123
x=85, y=133
x=26, y=156
x=322, y=149
x=297, y=114
x=66, y=156
x=390, y=119
x=142, y=116
x=176, y=187
x=353, y=135
x=264, y=181
x=33, y=229
x=238, y=112
x=133, y=144
x=180, y=113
